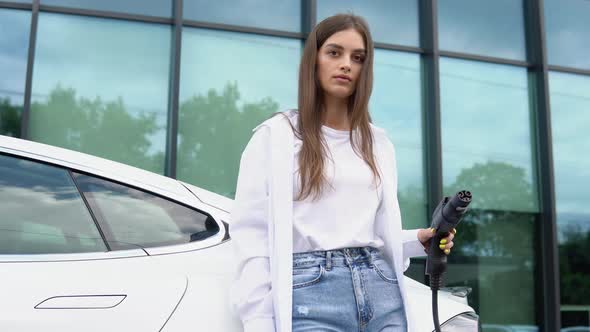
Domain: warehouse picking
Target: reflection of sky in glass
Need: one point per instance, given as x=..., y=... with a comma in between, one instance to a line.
x=396, y=107
x=40, y=203
x=492, y=28
x=484, y=117
x=570, y=120
x=106, y=59
x=567, y=28
x=145, y=7
x=390, y=21
x=270, y=14
x=14, y=44
x=262, y=66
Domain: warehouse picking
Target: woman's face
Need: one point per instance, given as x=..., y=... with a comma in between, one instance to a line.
x=339, y=63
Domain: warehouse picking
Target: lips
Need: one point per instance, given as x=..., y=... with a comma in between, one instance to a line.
x=343, y=78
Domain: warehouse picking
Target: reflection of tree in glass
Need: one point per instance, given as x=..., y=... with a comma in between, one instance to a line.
x=574, y=265
x=9, y=118
x=494, y=251
x=213, y=131
x=102, y=128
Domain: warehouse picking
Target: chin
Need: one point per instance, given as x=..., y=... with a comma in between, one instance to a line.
x=340, y=93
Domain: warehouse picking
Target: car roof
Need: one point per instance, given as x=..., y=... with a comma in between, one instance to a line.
x=113, y=170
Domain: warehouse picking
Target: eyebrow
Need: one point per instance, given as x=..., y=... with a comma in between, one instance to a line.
x=362, y=50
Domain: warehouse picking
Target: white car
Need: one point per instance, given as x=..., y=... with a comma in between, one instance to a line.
x=88, y=244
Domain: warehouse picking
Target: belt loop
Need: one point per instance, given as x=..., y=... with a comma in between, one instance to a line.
x=328, y=260
x=369, y=256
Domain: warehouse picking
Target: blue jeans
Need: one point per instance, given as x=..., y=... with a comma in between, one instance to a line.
x=352, y=289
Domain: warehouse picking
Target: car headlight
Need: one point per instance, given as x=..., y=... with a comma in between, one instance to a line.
x=465, y=322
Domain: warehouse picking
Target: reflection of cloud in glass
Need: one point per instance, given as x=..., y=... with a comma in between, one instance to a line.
x=570, y=102
x=396, y=106
x=492, y=28
x=390, y=21
x=567, y=29
x=484, y=116
x=106, y=59
x=271, y=14
x=43, y=206
x=262, y=66
x=14, y=42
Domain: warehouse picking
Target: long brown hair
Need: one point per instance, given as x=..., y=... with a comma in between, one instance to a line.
x=313, y=151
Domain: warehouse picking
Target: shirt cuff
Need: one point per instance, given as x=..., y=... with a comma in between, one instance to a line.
x=260, y=325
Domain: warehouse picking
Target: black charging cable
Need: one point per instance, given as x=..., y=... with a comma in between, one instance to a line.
x=445, y=217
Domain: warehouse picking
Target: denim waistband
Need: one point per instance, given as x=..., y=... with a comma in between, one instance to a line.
x=336, y=257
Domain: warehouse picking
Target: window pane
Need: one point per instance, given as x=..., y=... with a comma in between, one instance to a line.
x=222, y=100
x=145, y=7
x=487, y=149
x=42, y=211
x=269, y=14
x=14, y=45
x=570, y=120
x=492, y=28
x=132, y=218
x=486, y=130
x=390, y=21
x=567, y=28
x=101, y=87
x=396, y=107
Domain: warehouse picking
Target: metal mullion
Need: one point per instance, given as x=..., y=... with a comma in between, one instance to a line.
x=308, y=16
x=547, y=259
x=174, y=94
x=24, y=130
x=431, y=102
x=244, y=29
x=483, y=58
x=106, y=14
x=402, y=48
x=569, y=70
x=13, y=5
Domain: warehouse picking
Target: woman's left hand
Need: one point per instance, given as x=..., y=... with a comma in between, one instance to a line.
x=425, y=236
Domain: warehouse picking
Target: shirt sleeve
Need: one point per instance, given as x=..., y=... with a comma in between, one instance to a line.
x=251, y=293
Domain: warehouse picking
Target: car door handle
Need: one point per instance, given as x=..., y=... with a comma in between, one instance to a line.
x=82, y=302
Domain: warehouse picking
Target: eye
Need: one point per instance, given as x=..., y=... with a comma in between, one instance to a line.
x=333, y=52
x=358, y=58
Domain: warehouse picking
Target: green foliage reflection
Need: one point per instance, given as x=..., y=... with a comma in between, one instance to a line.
x=10, y=118
x=213, y=131
x=103, y=128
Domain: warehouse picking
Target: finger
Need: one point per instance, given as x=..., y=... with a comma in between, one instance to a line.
x=445, y=245
x=454, y=231
x=447, y=251
x=450, y=237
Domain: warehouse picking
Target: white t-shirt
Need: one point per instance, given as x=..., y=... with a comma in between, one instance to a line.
x=344, y=215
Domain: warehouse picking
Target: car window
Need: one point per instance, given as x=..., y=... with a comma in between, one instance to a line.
x=132, y=218
x=42, y=211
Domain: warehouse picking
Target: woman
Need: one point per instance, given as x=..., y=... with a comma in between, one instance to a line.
x=316, y=222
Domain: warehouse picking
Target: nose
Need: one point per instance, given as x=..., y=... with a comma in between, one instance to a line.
x=345, y=66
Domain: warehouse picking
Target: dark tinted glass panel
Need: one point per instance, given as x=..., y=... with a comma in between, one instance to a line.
x=100, y=86
x=14, y=44
x=390, y=21
x=132, y=218
x=269, y=14
x=144, y=7
x=42, y=211
x=568, y=29
x=230, y=82
x=492, y=28
x=487, y=149
x=570, y=120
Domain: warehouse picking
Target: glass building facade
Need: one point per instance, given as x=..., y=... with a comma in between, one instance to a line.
x=490, y=96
